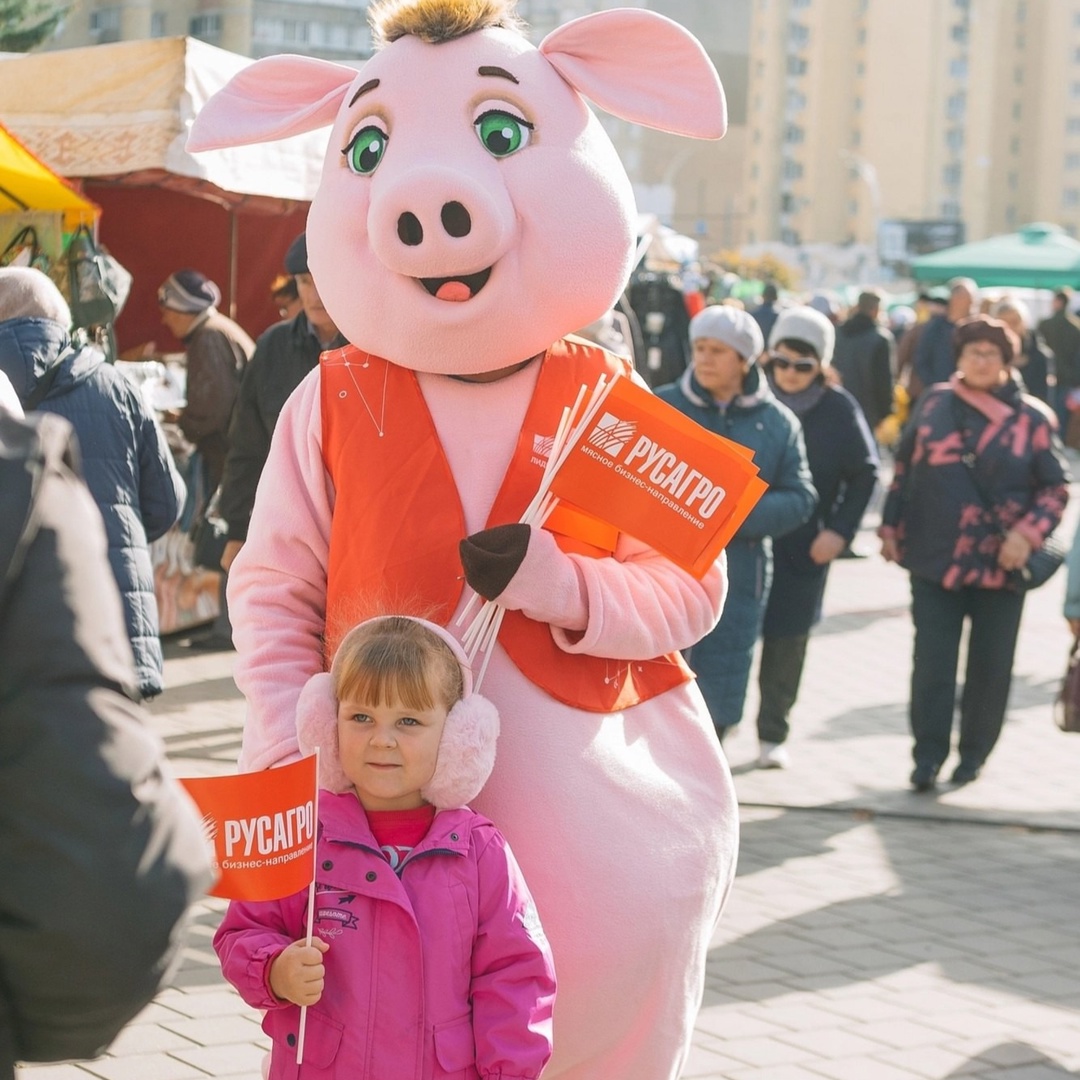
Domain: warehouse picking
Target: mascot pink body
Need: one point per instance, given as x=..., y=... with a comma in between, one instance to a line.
x=472, y=212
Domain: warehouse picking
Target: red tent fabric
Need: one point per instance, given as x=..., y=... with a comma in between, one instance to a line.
x=154, y=231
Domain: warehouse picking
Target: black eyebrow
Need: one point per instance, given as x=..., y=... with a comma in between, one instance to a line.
x=498, y=72
x=369, y=85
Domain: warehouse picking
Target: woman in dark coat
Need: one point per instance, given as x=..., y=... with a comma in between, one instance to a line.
x=844, y=466
x=980, y=482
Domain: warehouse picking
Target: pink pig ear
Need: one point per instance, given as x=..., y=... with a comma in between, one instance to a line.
x=272, y=99
x=642, y=67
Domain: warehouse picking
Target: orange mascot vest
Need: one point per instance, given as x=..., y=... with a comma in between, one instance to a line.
x=398, y=518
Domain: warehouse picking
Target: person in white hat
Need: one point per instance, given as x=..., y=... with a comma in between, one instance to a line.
x=725, y=391
x=844, y=466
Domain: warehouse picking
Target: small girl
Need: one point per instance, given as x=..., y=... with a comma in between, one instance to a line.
x=427, y=959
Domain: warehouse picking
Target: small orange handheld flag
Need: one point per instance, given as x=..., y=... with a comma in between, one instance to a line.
x=654, y=474
x=263, y=827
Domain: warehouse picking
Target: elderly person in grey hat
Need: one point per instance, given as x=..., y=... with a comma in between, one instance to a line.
x=726, y=392
x=127, y=463
x=217, y=352
x=844, y=466
x=284, y=355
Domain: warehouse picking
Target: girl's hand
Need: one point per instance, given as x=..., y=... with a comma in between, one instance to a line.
x=889, y=551
x=1015, y=550
x=826, y=546
x=297, y=974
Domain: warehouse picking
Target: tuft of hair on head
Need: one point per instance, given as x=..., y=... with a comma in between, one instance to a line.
x=397, y=660
x=436, y=21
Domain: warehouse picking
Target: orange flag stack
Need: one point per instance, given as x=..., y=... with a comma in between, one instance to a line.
x=650, y=471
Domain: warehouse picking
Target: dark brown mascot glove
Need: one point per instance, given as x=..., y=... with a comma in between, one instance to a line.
x=492, y=557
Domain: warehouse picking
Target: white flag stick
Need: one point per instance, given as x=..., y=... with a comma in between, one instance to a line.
x=491, y=648
x=310, y=902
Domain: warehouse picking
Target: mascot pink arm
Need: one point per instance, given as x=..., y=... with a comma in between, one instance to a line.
x=451, y=254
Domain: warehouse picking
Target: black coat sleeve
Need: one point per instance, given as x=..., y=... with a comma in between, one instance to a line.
x=101, y=850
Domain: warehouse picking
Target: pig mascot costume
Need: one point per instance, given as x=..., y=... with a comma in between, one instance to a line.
x=471, y=214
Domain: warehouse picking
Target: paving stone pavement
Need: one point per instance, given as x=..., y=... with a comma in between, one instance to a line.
x=872, y=934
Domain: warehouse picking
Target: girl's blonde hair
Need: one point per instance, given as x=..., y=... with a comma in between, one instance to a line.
x=436, y=21
x=397, y=660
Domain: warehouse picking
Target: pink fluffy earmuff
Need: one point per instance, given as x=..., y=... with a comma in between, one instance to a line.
x=466, y=751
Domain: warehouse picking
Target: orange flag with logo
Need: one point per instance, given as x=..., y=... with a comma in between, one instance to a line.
x=656, y=475
x=262, y=825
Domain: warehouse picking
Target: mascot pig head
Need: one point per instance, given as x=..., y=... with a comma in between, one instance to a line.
x=471, y=209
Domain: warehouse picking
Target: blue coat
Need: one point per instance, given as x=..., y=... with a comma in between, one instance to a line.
x=723, y=658
x=126, y=461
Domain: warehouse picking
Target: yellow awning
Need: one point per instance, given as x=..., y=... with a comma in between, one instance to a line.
x=27, y=184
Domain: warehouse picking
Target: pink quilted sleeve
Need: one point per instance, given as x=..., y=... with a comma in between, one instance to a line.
x=277, y=585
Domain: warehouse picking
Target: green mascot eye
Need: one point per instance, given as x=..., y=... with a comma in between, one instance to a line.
x=366, y=150
x=502, y=133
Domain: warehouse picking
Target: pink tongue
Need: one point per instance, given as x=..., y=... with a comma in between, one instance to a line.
x=457, y=291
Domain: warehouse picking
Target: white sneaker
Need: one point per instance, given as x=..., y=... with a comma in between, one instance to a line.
x=773, y=756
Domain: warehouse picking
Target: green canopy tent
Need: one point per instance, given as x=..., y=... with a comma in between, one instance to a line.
x=1039, y=256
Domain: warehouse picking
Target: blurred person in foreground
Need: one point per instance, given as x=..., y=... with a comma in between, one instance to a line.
x=844, y=467
x=980, y=482
x=125, y=459
x=725, y=391
x=284, y=355
x=102, y=852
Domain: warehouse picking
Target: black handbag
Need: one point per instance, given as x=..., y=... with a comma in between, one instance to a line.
x=1067, y=703
x=1042, y=563
x=94, y=301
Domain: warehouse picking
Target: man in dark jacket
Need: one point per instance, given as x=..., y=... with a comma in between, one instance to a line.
x=864, y=357
x=283, y=356
x=128, y=465
x=1061, y=332
x=101, y=851
x=935, y=356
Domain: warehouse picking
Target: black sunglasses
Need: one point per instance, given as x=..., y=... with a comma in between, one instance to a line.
x=801, y=366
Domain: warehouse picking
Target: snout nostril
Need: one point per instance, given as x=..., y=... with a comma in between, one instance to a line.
x=455, y=219
x=409, y=229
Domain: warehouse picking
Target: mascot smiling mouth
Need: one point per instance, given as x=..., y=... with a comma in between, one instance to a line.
x=457, y=289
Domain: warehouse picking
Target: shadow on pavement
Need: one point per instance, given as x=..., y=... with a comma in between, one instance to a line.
x=1006, y=1058
x=990, y=905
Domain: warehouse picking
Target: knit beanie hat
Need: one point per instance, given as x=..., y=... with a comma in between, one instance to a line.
x=807, y=325
x=732, y=326
x=296, y=256
x=188, y=292
x=466, y=750
x=985, y=328
x=27, y=293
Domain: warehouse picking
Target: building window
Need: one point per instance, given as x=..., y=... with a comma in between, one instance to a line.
x=206, y=27
x=793, y=133
x=1072, y=162
x=105, y=24
x=1070, y=197
x=1072, y=125
x=954, y=139
x=956, y=105
x=950, y=209
x=159, y=24
x=1017, y=110
x=958, y=67
x=950, y=175
x=796, y=65
x=791, y=170
x=1014, y=145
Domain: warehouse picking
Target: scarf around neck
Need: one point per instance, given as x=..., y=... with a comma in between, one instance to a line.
x=802, y=402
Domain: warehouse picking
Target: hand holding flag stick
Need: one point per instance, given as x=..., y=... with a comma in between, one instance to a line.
x=484, y=629
x=644, y=469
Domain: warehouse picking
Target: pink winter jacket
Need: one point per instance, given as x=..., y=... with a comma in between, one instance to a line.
x=443, y=972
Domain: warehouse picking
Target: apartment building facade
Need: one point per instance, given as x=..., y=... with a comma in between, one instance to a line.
x=866, y=111
x=331, y=29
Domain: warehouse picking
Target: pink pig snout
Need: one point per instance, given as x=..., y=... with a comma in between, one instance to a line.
x=439, y=222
